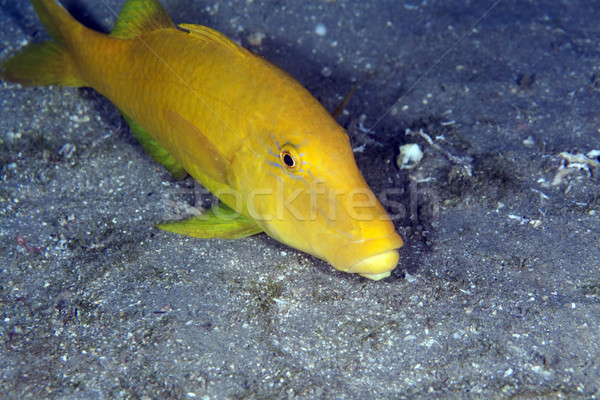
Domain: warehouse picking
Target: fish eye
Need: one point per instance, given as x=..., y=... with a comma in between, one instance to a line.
x=290, y=158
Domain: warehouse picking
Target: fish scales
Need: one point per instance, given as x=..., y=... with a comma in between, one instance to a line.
x=245, y=129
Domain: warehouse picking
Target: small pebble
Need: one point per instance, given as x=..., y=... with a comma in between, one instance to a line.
x=320, y=29
x=256, y=38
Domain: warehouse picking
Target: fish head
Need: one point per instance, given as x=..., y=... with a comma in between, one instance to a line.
x=303, y=187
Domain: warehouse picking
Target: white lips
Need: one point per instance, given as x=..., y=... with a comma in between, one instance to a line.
x=376, y=267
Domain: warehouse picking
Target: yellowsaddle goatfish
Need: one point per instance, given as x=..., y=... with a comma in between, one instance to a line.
x=202, y=105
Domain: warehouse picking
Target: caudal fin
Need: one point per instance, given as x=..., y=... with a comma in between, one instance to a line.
x=49, y=63
x=46, y=63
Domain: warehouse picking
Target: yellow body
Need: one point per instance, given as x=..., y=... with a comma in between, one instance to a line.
x=242, y=127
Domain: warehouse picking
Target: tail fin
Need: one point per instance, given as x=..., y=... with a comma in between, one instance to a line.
x=46, y=63
x=49, y=63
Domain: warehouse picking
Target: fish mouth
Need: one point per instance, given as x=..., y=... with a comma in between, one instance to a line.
x=372, y=258
x=376, y=267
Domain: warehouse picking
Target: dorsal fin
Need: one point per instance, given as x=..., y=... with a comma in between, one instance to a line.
x=210, y=35
x=140, y=16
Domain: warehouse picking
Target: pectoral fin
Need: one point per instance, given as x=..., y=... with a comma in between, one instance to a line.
x=210, y=161
x=218, y=222
x=154, y=150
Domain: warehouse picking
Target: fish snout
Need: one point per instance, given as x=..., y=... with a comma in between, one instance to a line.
x=376, y=267
x=374, y=259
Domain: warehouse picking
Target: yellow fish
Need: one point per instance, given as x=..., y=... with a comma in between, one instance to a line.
x=246, y=130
